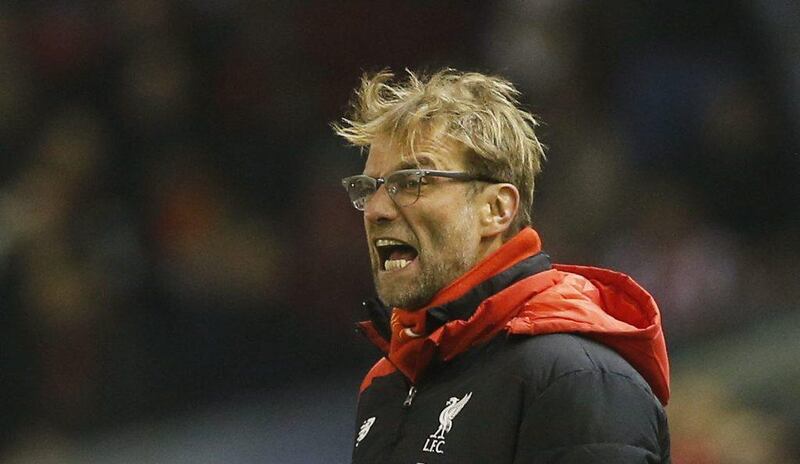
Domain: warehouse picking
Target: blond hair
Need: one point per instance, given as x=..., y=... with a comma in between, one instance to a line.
x=479, y=111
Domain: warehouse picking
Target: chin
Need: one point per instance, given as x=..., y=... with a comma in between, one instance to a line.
x=404, y=301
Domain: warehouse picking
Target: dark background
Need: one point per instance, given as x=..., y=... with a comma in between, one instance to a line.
x=180, y=269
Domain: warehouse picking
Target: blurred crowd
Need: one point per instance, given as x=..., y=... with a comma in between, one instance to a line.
x=173, y=233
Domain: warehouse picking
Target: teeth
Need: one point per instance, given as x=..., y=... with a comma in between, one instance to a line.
x=387, y=242
x=395, y=264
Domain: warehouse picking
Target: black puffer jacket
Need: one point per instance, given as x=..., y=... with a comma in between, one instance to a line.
x=521, y=389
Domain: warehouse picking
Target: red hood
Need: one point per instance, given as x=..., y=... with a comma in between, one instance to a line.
x=606, y=306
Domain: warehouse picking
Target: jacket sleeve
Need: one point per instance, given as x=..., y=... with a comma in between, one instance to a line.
x=591, y=416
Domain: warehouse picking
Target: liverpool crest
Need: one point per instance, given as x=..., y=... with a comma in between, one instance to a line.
x=435, y=441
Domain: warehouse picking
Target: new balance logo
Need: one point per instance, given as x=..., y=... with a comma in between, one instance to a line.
x=364, y=430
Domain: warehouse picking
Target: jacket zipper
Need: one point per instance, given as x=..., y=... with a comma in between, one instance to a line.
x=409, y=399
x=412, y=392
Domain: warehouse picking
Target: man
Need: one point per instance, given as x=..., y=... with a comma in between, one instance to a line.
x=493, y=355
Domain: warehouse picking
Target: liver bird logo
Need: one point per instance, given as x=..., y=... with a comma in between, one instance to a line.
x=454, y=406
x=364, y=430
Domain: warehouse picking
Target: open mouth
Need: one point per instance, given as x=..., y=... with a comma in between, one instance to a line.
x=394, y=254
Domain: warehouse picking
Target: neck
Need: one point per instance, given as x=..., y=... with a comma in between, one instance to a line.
x=489, y=245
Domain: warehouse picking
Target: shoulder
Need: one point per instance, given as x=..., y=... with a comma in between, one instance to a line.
x=549, y=360
x=382, y=368
x=579, y=391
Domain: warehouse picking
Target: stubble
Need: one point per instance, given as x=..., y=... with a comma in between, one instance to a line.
x=449, y=256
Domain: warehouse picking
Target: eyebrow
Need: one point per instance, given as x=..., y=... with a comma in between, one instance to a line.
x=421, y=161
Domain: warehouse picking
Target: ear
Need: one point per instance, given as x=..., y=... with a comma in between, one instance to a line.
x=499, y=204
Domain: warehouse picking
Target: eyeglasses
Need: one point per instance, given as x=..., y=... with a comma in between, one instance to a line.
x=403, y=186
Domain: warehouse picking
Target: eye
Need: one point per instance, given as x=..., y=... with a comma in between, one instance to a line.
x=410, y=182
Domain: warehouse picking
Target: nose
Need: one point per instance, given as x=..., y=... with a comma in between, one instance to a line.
x=380, y=207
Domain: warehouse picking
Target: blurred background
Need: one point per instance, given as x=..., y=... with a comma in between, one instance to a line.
x=180, y=269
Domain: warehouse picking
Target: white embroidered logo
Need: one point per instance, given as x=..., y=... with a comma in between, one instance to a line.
x=454, y=406
x=364, y=430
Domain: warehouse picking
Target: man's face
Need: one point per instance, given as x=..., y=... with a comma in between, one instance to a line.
x=439, y=232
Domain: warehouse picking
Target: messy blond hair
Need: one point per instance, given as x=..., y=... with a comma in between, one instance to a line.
x=481, y=112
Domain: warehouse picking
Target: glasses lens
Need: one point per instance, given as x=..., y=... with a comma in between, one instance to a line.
x=359, y=188
x=404, y=186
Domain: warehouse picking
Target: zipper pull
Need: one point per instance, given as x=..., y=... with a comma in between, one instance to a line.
x=412, y=392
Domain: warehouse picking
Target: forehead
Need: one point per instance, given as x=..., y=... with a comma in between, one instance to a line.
x=441, y=153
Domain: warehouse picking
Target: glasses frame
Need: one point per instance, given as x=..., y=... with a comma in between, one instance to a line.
x=422, y=173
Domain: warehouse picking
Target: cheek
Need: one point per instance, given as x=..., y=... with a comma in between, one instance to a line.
x=441, y=221
x=451, y=226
